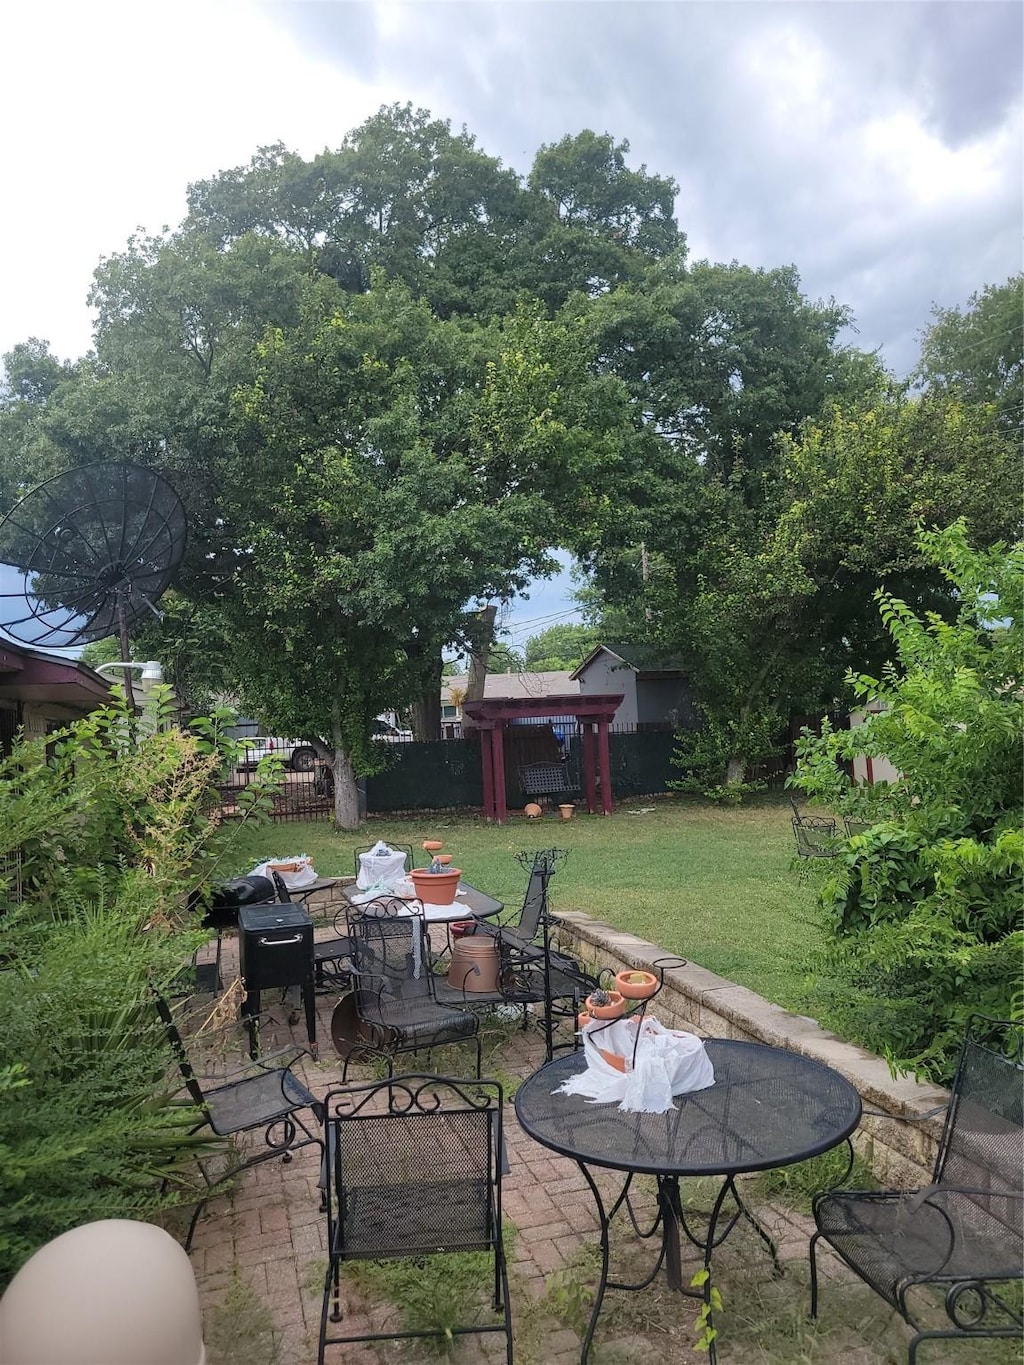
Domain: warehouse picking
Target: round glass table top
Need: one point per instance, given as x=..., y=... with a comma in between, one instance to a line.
x=767, y=1108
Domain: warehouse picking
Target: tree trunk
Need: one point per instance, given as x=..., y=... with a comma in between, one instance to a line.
x=346, y=793
x=483, y=638
x=736, y=770
x=426, y=713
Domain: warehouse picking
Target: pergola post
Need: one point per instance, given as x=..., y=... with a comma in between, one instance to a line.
x=498, y=764
x=488, y=773
x=604, y=758
x=589, y=785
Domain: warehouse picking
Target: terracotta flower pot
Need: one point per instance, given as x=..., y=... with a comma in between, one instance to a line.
x=532, y=810
x=636, y=985
x=432, y=845
x=435, y=888
x=613, y=1010
x=567, y=811
x=614, y=1059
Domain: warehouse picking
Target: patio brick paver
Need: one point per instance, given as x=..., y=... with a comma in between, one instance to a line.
x=270, y=1232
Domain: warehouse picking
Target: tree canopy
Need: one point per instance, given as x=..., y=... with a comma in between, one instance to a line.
x=389, y=380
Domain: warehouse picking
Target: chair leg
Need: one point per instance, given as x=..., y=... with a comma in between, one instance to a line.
x=192, y=1226
x=814, y=1275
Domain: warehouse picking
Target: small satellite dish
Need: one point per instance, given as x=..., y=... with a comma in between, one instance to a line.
x=87, y=553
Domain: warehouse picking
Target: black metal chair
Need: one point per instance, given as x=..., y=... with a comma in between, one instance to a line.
x=542, y=867
x=413, y=1170
x=264, y=1094
x=533, y=970
x=855, y=825
x=394, y=985
x=961, y=1237
x=815, y=836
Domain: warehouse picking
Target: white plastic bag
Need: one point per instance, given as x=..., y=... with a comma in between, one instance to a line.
x=380, y=865
x=668, y=1062
x=295, y=872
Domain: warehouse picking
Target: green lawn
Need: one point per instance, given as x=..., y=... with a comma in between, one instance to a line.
x=716, y=886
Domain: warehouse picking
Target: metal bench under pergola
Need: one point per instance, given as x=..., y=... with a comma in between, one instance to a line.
x=492, y=717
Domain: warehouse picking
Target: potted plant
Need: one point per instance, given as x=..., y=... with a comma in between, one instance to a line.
x=605, y=1004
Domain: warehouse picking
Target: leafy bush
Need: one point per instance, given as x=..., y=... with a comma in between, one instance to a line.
x=112, y=830
x=714, y=758
x=924, y=907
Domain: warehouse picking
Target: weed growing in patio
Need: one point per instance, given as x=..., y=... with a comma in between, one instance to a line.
x=239, y=1330
x=434, y=1294
x=796, y=1186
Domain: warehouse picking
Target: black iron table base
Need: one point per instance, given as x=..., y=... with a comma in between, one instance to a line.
x=671, y=1219
x=767, y=1108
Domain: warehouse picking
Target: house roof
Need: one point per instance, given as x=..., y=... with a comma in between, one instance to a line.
x=33, y=675
x=644, y=660
x=515, y=685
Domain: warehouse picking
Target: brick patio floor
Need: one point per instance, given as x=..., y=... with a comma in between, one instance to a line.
x=270, y=1234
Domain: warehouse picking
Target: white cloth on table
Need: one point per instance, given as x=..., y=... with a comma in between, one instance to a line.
x=380, y=865
x=668, y=1062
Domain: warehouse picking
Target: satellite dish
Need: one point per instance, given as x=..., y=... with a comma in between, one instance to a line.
x=87, y=553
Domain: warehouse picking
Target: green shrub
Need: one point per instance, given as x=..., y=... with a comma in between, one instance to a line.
x=113, y=831
x=923, y=909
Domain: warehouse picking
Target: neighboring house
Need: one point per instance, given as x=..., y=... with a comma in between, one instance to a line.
x=656, y=692
x=869, y=768
x=453, y=692
x=41, y=692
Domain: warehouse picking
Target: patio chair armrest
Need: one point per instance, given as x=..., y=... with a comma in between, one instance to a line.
x=267, y=1061
x=905, y=1118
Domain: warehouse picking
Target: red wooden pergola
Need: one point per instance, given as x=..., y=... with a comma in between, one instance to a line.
x=594, y=715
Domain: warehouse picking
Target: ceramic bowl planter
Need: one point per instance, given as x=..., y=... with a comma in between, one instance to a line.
x=613, y=1009
x=636, y=985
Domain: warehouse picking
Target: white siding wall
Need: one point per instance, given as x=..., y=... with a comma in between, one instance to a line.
x=608, y=674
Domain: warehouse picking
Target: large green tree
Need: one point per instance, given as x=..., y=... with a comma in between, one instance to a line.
x=411, y=464
x=977, y=352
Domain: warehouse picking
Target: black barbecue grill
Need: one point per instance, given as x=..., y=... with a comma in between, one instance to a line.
x=275, y=948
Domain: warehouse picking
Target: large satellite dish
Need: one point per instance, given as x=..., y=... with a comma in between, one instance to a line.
x=87, y=553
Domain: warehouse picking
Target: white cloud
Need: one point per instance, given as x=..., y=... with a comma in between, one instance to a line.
x=117, y=108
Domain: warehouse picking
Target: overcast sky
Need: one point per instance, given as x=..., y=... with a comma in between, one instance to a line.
x=877, y=146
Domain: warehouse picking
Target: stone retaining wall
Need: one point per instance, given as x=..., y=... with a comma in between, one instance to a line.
x=900, y=1153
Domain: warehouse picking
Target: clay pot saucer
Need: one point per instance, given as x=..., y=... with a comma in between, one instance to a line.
x=636, y=984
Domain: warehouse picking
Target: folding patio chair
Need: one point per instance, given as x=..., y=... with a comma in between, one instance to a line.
x=413, y=1170
x=265, y=1094
x=958, y=1244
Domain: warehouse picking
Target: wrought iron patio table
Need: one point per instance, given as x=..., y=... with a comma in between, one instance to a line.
x=767, y=1108
x=473, y=904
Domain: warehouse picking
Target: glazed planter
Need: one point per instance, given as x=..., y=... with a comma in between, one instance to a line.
x=614, y=1009
x=636, y=985
x=435, y=888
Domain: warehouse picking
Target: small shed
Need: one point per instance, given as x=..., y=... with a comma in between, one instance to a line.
x=593, y=714
x=657, y=692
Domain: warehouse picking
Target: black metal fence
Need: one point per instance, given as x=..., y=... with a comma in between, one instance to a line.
x=446, y=775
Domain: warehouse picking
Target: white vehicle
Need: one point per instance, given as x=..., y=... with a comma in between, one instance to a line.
x=295, y=753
